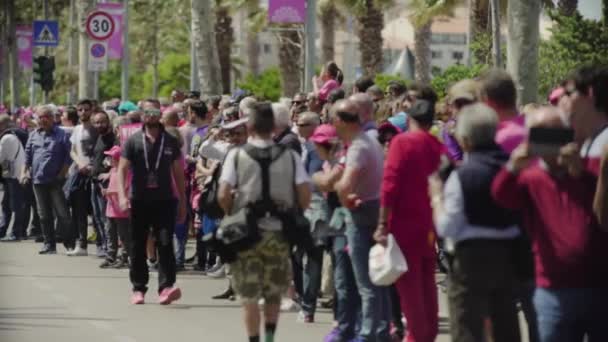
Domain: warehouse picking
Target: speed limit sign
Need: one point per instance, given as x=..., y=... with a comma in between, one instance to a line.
x=100, y=25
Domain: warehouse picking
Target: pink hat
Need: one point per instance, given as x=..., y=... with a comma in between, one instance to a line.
x=555, y=95
x=324, y=134
x=114, y=152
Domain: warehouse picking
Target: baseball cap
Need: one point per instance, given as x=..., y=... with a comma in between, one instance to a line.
x=126, y=106
x=324, y=134
x=399, y=120
x=422, y=111
x=465, y=90
x=114, y=152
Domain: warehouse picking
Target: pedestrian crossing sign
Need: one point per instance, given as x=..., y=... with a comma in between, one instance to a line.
x=46, y=33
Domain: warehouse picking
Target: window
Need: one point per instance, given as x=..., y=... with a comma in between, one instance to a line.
x=267, y=48
x=457, y=55
x=436, y=54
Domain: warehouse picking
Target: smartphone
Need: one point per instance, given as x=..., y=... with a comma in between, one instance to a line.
x=544, y=141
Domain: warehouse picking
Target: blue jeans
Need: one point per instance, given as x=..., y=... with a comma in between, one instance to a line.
x=569, y=314
x=312, y=280
x=348, y=301
x=98, y=202
x=181, y=237
x=16, y=207
x=375, y=300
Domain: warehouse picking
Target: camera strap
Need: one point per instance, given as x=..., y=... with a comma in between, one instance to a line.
x=265, y=157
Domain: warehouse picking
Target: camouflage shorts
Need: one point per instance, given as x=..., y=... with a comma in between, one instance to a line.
x=264, y=271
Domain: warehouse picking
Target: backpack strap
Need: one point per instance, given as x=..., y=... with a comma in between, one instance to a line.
x=265, y=157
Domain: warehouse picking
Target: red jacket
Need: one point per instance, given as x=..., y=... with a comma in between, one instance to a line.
x=569, y=249
x=412, y=158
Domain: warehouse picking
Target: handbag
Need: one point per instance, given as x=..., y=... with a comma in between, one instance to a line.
x=386, y=264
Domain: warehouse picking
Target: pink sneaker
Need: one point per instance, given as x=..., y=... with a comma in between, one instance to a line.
x=137, y=298
x=169, y=295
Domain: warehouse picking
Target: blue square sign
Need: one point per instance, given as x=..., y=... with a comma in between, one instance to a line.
x=46, y=33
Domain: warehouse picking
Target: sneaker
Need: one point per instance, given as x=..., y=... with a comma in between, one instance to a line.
x=101, y=252
x=225, y=295
x=11, y=238
x=213, y=268
x=305, y=318
x=288, y=305
x=78, y=251
x=137, y=298
x=332, y=336
x=47, y=250
x=152, y=264
x=169, y=295
x=107, y=263
x=219, y=273
x=120, y=263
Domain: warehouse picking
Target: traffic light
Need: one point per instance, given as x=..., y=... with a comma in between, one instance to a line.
x=43, y=72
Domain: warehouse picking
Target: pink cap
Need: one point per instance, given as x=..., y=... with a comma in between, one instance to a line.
x=555, y=95
x=114, y=152
x=324, y=134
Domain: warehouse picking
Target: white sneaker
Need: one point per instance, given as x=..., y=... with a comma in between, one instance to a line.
x=220, y=273
x=289, y=305
x=78, y=251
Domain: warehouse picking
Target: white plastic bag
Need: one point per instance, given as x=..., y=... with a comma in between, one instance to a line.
x=386, y=264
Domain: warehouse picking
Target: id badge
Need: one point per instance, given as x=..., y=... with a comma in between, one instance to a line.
x=152, y=180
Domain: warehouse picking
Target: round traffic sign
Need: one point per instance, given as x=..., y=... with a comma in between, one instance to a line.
x=100, y=25
x=98, y=50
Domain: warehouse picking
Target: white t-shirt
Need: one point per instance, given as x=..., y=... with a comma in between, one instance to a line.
x=12, y=155
x=83, y=143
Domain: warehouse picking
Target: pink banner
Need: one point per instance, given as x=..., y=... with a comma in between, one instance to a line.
x=287, y=11
x=115, y=42
x=24, y=45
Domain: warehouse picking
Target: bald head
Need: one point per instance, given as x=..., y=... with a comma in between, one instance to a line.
x=365, y=106
x=171, y=118
x=346, y=111
x=548, y=117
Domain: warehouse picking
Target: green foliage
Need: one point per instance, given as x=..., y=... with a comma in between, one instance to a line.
x=575, y=41
x=453, y=74
x=173, y=73
x=382, y=80
x=266, y=86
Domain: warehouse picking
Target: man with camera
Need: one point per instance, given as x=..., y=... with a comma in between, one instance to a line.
x=261, y=269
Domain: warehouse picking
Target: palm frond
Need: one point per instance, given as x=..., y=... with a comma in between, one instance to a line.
x=423, y=11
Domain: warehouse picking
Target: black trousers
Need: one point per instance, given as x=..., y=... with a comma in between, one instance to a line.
x=160, y=217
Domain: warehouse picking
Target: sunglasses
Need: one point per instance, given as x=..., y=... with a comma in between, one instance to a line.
x=304, y=124
x=152, y=112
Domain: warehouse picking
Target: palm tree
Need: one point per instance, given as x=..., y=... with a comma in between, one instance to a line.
x=523, y=18
x=567, y=7
x=479, y=28
x=290, y=60
x=370, y=22
x=205, y=45
x=328, y=13
x=423, y=13
x=12, y=47
x=224, y=37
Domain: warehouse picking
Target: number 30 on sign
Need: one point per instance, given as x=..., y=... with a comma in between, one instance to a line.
x=100, y=25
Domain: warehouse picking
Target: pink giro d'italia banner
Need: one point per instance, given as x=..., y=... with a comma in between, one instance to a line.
x=287, y=11
x=115, y=42
x=24, y=45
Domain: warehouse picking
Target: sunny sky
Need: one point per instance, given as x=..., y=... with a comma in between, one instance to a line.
x=590, y=8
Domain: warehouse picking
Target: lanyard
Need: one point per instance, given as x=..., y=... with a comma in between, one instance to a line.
x=160, y=150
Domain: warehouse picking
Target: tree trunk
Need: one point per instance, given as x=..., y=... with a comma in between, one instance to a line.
x=224, y=36
x=206, y=51
x=85, y=78
x=496, y=47
x=290, y=61
x=13, y=63
x=422, y=53
x=567, y=7
x=155, y=53
x=72, y=49
x=327, y=18
x=479, y=29
x=522, y=48
x=605, y=12
x=253, y=43
x=370, y=25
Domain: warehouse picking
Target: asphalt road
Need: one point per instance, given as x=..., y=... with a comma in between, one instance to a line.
x=65, y=299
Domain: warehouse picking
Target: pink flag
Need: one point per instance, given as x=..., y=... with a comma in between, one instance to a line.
x=24, y=45
x=115, y=42
x=287, y=11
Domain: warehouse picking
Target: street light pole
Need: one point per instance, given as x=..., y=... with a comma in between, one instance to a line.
x=311, y=35
x=45, y=9
x=124, y=75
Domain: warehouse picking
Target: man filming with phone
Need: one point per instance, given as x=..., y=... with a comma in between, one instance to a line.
x=554, y=193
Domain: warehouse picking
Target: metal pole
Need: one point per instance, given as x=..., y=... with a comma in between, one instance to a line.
x=124, y=76
x=496, y=51
x=45, y=9
x=311, y=35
